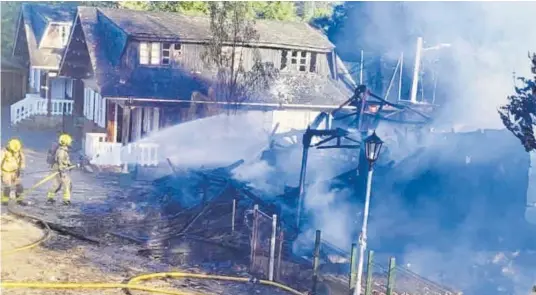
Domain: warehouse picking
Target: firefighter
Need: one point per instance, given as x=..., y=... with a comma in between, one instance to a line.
x=12, y=164
x=62, y=165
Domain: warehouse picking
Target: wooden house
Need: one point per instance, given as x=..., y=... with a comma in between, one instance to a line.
x=13, y=82
x=40, y=39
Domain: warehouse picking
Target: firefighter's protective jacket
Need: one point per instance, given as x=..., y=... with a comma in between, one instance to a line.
x=63, y=160
x=12, y=161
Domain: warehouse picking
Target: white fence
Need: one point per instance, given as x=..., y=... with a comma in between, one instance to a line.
x=33, y=105
x=103, y=153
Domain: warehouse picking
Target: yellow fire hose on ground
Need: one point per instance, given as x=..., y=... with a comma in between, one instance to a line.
x=132, y=284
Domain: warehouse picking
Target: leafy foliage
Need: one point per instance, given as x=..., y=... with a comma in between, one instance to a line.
x=233, y=37
x=186, y=7
x=519, y=114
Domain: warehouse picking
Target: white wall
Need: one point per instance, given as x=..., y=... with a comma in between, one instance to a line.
x=34, y=78
x=293, y=119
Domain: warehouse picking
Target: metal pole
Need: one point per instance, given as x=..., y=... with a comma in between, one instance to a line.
x=361, y=68
x=391, y=277
x=306, y=143
x=363, y=237
x=281, y=238
x=353, y=268
x=368, y=288
x=254, y=236
x=391, y=81
x=316, y=262
x=233, y=216
x=400, y=79
x=272, y=248
x=416, y=70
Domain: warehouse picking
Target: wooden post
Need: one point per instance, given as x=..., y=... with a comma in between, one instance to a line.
x=233, y=217
x=391, y=277
x=272, y=249
x=316, y=262
x=125, y=132
x=254, y=237
x=353, y=268
x=278, y=272
x=368, y=288
x=48, y=94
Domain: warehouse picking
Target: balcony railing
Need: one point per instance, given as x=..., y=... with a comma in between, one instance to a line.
x=33, y=105
x=103, y=153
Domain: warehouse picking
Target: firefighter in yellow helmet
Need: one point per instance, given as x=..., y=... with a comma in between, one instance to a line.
x=12, y=164
x=62, y=164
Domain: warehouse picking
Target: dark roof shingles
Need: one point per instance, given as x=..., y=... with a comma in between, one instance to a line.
x=36, y=18
x=143, y=24
x=166, y=83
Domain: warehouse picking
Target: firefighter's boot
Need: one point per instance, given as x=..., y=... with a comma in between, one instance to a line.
x=67, y=196
x=51, y=198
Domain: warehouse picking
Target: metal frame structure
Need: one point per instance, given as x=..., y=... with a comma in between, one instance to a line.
x=370, y=109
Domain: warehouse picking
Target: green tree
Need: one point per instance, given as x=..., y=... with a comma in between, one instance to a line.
x=519, y=114
x=9, y=14
x=233, y=33
x=186, y=7
x=276, y=10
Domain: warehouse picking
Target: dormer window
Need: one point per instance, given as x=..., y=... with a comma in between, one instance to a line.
x=155, y=53
x=301, y=61
x=64, y=35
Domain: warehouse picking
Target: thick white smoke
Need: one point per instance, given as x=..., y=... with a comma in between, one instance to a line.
x=489, y=41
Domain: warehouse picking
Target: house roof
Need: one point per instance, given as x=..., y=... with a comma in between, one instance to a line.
x=36, y=18
x=175, y=26
x=10, y=65
x=117, y=80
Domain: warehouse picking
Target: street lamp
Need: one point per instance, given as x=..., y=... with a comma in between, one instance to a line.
x=373, y=146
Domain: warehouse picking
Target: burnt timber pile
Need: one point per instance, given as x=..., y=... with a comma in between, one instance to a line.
x=201, y=231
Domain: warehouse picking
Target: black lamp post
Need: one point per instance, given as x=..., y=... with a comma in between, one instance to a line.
x=373, y=146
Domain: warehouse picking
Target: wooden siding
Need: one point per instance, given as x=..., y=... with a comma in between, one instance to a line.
x=13, y=86
x=77, y=63
x=190, y=58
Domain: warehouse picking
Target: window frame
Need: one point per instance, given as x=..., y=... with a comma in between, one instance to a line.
x=147, y=56
x=299, y=59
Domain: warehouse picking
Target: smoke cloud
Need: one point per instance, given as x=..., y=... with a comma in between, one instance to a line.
x=432, y=207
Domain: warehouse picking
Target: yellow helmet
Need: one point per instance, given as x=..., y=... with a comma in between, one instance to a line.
x=65, y=139
x=14, y=145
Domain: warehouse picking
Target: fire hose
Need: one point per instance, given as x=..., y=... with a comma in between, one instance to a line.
x=132, y=284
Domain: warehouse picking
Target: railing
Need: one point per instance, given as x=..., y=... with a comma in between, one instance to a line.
x=33, y=105
x=103, y=153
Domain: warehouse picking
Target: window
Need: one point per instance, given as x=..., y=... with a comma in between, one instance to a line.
x=312, y=64
x=150, y=53
x=177, y=49
x=303, y=61
x=166, y=53
x=144, y=53
x=155, y=53
x=284, y=60
x=64, y=34
x=299, y=59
